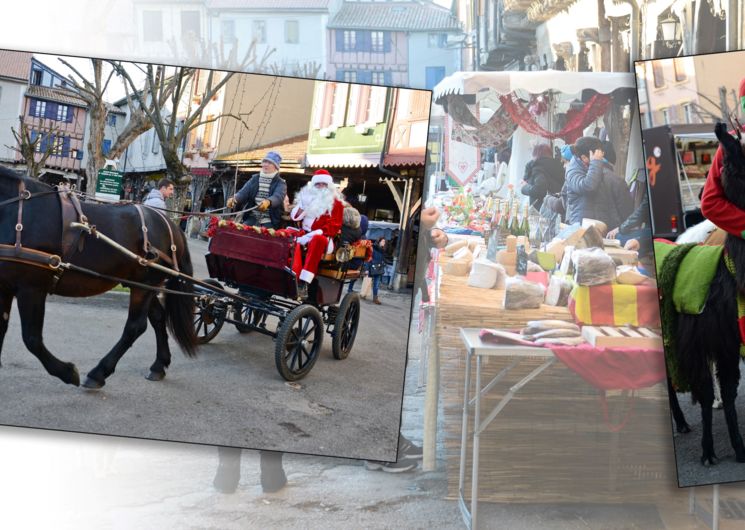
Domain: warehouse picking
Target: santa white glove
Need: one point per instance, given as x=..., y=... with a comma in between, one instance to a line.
x=304, y=240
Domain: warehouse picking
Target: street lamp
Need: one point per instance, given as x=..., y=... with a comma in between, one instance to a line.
x=669, y=28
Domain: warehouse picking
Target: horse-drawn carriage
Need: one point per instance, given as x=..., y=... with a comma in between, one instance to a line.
x=257, y=263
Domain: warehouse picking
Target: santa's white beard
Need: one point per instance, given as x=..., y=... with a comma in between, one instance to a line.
x=316, y=201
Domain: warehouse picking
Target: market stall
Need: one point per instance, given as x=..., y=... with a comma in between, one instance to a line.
x=594, y=424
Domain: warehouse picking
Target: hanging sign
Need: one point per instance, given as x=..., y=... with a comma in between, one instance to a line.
x=462, y=160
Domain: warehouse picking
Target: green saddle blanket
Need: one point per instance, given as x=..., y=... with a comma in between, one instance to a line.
x=691, y=269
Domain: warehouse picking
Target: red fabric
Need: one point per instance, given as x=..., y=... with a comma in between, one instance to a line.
x=604, y=368
x=330, y=223
x=741, y=91
x=521, y=115
x=314, y=252
x=715, y=206
x=614, y=368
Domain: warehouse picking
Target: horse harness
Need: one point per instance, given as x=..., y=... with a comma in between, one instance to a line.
x=74, y=223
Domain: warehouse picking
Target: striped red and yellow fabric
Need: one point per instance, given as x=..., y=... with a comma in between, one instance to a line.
x=615, y=305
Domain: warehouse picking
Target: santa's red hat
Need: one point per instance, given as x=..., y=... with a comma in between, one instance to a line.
x=322, y=176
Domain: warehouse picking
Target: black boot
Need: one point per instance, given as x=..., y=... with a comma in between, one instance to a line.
x=273, y=476
x=302, y=290
x=228, y=470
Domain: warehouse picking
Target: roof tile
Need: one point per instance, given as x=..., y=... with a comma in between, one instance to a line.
x=394, y=16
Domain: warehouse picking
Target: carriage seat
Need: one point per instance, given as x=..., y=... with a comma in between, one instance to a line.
x=331, y=268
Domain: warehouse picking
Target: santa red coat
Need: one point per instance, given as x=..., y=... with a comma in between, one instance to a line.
x=714, y=204
x=329, y=226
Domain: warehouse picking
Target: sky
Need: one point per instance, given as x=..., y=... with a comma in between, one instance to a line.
x=115, y=89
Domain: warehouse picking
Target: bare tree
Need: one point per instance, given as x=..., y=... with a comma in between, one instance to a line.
x=172, y=115
x=92, y=91
x=35, y=149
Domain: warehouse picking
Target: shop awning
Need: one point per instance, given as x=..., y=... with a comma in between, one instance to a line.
x=404, y=160
x=532, y=82
x=344, y=160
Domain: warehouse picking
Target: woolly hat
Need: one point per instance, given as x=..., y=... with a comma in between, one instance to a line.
x=273, y=157
x=322, y=176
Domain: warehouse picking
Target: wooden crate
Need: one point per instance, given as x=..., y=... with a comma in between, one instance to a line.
x=622, y=337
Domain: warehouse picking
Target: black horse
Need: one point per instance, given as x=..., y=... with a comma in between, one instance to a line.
x=29, y=285
x=714, y=336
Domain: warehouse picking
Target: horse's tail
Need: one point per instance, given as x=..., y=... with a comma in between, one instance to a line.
x=180, y=308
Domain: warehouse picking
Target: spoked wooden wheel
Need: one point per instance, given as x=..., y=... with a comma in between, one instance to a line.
x=298, y=342
x=209, y=314
x=345, y=326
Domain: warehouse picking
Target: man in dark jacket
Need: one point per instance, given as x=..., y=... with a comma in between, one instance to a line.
x=265, y=190
x=584, y=175
x=544, y=174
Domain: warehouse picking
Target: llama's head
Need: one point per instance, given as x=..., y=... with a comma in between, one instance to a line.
x=733, y=170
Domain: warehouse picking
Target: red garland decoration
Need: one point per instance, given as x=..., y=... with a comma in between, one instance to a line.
x=216, y=222
x=522, y=116
x=368, y=247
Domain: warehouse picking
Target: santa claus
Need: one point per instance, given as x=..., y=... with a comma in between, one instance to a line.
x=319, y=209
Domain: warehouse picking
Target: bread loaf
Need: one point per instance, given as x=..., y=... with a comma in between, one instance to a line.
x=521, y=294
x=593, y=267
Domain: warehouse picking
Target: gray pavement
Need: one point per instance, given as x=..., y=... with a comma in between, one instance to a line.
x=231, y=394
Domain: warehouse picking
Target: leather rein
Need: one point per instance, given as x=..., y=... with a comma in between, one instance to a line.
x=74, y=224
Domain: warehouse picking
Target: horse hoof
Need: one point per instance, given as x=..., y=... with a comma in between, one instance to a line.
x=155, y=376
x=683, y=429
x=740, y=457
x=92, y=384
x=710, y=460
x=73, y=376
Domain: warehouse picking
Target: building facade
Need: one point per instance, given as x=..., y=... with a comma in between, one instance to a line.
x=393, y=43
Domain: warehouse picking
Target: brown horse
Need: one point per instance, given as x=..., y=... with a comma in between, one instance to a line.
x=41, y=219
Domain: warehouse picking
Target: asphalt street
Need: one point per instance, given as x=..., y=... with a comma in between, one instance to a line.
x=688, y=446
x=231, y=394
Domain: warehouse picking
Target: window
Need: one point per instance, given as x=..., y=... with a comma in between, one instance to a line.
x=259, y=33
x=228, y=30
x=350, y=41
x=62, y=112
x=38, y=108
x=377, y=41
x=190, y=26
x=36, y=77
x=111, y=120
x=680, y=69
x=690, y=116
x=106, y=147
x=339, y=109
x=350, y=76
x=208, y=127
x=378, y=78
x=152, y=26
x=292, y=32
x=665, y=116
x=659, y=79
x=437, y=40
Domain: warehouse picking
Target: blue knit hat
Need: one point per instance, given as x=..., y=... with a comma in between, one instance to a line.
x=274, y=157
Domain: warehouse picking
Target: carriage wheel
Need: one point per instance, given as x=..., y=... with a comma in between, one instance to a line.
x=209, y=316
x=345, y=325
x=298, y=342
x=248, y=315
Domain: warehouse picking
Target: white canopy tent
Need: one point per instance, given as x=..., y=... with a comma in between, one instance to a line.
x=487, y=87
